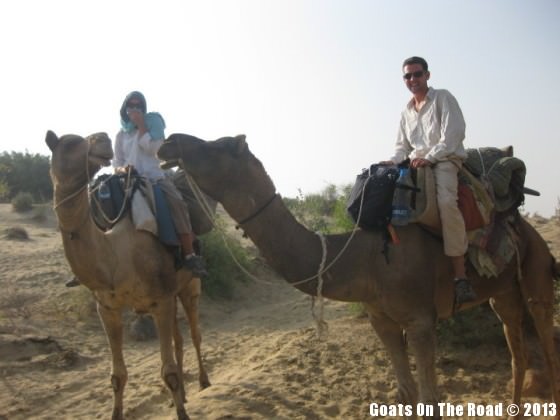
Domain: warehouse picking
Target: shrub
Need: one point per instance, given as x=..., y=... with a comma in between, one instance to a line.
x=16, y=233
x=223, y=272
x=471, y=328
x=324, y=212
x=23, y=201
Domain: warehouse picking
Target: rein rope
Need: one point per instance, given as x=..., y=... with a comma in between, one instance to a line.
x=259, y=211
x=83, y=187
x=322, y=326
x=127, y=194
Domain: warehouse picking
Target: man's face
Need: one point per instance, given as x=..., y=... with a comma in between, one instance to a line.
x=415, y=78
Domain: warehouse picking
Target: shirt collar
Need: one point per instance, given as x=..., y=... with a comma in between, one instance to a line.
x=429, y=96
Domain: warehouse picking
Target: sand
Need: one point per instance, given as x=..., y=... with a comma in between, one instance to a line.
x=262, y=352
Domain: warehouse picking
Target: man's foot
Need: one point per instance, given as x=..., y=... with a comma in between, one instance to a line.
x=195, y=264
x=463, y=291
x=73, y=282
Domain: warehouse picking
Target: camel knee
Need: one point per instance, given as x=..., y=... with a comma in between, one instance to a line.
x=541, y=311
x=172, y=381
x=118, y=383
x=171, y=377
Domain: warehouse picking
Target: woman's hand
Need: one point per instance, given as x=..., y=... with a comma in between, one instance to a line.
x=137, y=117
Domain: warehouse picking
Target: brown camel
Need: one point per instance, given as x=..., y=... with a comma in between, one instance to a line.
x=408, y=294
x=124, y=267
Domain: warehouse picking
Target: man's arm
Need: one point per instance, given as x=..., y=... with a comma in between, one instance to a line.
x=452, y=126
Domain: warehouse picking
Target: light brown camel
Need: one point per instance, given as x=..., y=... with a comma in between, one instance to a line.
x=408, y=294
x=124, y=267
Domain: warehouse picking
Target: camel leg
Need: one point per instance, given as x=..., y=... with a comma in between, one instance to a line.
x=164, y=316
x=112, y=323
x=509, y=308
x=178, y=344
x=421, y=335
x=542, y=314
x=189, y=298
x=537, y=289
x=391, y=334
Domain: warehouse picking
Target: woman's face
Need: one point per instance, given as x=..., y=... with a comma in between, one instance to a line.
x=134, y=110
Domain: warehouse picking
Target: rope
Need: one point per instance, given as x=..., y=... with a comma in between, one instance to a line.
x=103, y=214
x=322, y=326
x=127, y=194
x=199, y=196
x=202, y=200
x=481, y=162
x=65, y=199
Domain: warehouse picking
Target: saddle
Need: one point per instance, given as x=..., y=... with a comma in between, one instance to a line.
x=490, y=181
x=491, y=187
x=474, y=200
x=112, y=197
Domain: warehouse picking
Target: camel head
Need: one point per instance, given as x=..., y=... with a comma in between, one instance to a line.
x=222, y=168
x=75, y=158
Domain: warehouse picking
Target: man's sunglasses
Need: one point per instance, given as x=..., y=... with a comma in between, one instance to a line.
x=416, y=75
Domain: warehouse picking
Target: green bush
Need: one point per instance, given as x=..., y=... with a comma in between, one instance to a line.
x=23, y=201
x=471, y=328
x=223, y=272
x=323, y=212
x=25, y=172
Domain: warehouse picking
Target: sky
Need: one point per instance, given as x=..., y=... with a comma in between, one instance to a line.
x=315, y=85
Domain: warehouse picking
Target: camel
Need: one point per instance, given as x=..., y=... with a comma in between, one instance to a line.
x=408, y=294
x=123, y=268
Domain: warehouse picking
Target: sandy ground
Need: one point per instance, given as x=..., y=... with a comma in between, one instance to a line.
x=262, y=352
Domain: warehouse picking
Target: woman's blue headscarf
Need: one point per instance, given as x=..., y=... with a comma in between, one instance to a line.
x=154, y=121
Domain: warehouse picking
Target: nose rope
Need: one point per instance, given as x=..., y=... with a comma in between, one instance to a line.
x=322, y=326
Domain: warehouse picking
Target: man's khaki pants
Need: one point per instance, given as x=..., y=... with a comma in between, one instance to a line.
x=455, y=241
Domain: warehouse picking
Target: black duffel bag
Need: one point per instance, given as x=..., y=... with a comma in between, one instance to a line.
x=371, y=197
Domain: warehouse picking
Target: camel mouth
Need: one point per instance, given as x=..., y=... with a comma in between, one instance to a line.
x=169, y=163
x=101, y=160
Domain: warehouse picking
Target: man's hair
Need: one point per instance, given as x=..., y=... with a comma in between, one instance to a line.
x=416, y=60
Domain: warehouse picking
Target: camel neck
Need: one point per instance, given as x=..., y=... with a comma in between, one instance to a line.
x=288, y=247
x=72, y=210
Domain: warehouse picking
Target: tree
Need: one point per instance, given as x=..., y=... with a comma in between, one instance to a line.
x=25, y=172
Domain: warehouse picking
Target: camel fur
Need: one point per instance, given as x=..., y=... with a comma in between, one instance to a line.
x=407, y=295
x=123, y=268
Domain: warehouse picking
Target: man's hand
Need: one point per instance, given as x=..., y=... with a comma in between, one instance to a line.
x=123, y=169
x=420, y=163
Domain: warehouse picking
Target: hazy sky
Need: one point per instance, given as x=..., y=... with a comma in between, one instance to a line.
x=314, y=84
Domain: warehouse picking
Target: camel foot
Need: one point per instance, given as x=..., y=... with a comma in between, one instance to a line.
x=204, y=382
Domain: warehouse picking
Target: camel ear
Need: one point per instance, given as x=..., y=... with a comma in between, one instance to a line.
x=51, y=140
x=241, y=144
